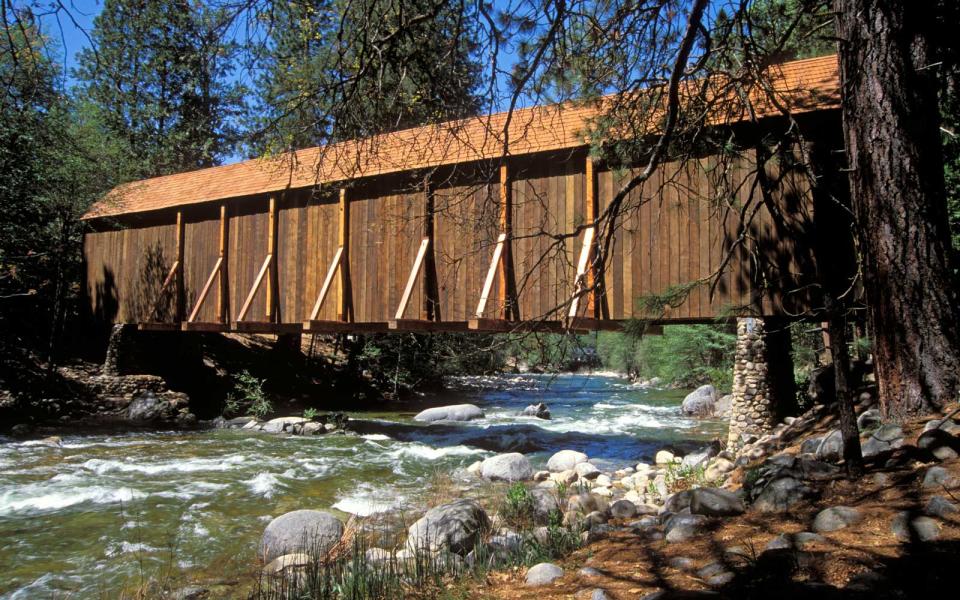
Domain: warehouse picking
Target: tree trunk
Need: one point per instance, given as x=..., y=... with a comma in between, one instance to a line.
x=891, y=129
x=837, y=331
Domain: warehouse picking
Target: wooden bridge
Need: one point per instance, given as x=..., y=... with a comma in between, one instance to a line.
x=449, y=227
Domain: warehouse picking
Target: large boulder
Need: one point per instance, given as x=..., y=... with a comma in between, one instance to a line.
x=456, y=527
x=454, y=412
x=311, y=532
x=565, y=460
x=700, y=402
x=715, y=502
x=507, y=467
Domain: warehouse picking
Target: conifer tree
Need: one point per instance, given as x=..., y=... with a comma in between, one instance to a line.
x=160, y=72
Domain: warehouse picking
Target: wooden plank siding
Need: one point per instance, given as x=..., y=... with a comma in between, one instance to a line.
x=674, y=228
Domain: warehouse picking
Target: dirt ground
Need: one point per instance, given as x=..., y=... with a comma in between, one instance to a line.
x=864, y=560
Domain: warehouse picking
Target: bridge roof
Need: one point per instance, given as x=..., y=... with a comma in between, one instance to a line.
x=800, y=86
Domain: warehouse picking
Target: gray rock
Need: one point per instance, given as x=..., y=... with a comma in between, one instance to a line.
x=723, y=406
x=810, y=445
x=836, y=518
x=543, y=574
x=454, y=412
x=905, y=528
x=538, y=410
x=301, y=531
x=781, y=542
x=886, y=438
x=720, y=579
x=948, y=425
x=699, y=457
x=506, y=542
x=565, y=460
x=587, y=470
x=623, y=509
x=869, y=419
x=147, y=407
x=507, y=467
x=937, y=478
x=545, y=502
x=680, y=528
x=938, y=506
x=939, y=443
x=715, y=502
x=281, y=424
x=594, y=594
x=700, y=402
x=681, y=563
x=831, y=448
x=588, y=572
x=594, y=518
x=456, y=527
x=795, y=541
x=678, y=502
x=811, y=469
x=313, y=429
x=586, y=503
x=782, y=494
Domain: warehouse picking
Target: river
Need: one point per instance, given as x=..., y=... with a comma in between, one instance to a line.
x=87, y=518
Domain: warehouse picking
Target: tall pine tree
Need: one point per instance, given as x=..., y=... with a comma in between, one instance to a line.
x=341, y=69
x=160, y=72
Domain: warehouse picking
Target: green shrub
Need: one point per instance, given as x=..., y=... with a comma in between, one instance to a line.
x=518, y=506
x=310, y=413
x=250, y=391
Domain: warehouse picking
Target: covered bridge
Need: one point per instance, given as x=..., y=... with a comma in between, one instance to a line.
x=488, y=223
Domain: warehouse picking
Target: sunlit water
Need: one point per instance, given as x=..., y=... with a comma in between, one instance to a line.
x=87, y=518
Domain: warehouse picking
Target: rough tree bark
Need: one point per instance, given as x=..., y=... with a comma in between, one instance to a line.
x=891, y=129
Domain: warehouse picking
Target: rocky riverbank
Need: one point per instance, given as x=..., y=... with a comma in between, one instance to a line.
x=778, y=515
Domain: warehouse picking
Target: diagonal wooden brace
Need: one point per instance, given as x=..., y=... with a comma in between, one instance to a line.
x=327, y=283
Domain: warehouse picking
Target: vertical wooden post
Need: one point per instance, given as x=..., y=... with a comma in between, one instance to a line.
x=507, y=293
x=181, y=300
x=224, y=290
x=344, y=290
x=431, y=287
x=591, y=210
x=272, y=287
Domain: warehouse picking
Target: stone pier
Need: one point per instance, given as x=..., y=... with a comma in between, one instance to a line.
x=763, y=387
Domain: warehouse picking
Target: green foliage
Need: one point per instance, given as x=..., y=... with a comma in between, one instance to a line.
x=679, y=477
x=518, y=506
x=326, y=77
x=250, y=392
x=159, y=75
x=685, y=355
x=310, y=413
x=405, y=361
x=552, y=351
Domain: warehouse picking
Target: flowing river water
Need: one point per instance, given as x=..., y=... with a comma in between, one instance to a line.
x=87, y=518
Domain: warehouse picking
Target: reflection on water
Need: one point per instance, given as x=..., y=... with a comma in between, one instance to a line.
x=80, y=518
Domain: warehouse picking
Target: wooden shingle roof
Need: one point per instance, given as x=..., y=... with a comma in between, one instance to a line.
x=800, y=86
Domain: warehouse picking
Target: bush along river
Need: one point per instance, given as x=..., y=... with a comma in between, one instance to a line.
x=88, y=515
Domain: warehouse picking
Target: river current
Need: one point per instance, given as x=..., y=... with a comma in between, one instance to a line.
x=93, y=515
